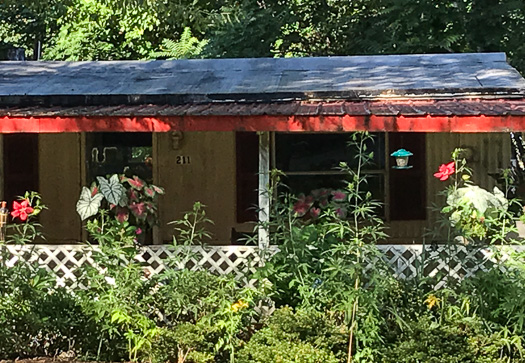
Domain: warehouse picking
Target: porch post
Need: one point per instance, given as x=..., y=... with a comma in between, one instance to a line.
x=264, y=198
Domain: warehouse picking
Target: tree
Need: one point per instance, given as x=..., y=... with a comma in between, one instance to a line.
x=23, y=23
x=139, y=29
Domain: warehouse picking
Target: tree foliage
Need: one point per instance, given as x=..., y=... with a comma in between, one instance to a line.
x=140, y=29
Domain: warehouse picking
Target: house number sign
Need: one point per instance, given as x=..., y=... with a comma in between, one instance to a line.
x=183, y=160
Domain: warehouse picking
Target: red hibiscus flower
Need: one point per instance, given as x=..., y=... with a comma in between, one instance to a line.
x=21, y=210
x=445, y=170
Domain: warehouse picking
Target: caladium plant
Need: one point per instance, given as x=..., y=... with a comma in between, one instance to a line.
x=112, y=189
x=89, y=202
x=128, y=199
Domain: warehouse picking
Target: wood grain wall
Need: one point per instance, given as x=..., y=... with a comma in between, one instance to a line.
x=210, y=179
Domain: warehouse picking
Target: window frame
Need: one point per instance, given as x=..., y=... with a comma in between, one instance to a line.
x=377, y=171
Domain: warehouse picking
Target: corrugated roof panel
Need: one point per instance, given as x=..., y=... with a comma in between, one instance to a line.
x=383, y=109
x=357, y=108
x=308, y=109
x=363, y=108
x=333, y=108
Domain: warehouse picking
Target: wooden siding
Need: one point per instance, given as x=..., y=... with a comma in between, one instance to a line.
x=491, y=152
x=60, y=184
x=210, y=178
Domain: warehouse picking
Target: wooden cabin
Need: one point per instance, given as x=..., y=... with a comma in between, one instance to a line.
x=209, y=130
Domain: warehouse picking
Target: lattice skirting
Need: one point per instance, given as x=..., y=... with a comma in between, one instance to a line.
x=406, y=261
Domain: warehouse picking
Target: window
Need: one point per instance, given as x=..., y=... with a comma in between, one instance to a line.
x=119, y=152
x=310, y=162
x=20, y=165
x=407, y=188
x=247, y=155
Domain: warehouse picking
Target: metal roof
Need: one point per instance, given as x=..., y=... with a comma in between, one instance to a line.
x=298, y=108
x=431, y=76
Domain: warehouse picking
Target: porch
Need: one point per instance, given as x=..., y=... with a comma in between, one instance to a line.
x=193, y=111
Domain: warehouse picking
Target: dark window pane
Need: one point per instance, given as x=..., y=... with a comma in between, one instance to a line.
x=247, y=153
x=20, y=165
x=322, y=152
x=297, y=184
x=118, y=152
x=408, y=186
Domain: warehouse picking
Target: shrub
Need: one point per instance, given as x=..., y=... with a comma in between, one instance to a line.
x=426, y=340
x=302, y=336
x=38, y=319
x=205, y=315
x=184, y=343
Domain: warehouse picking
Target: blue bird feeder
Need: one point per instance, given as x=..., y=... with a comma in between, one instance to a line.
x=401, y=156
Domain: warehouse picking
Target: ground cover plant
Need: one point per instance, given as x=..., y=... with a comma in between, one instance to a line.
x=326, y=296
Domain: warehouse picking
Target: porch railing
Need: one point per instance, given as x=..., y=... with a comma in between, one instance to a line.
x=406, y=261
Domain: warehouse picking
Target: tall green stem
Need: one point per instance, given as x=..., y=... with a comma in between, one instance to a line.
x=357, y=237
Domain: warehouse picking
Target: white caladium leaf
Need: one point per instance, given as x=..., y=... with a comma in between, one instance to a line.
x=112, y=190
x=480, y=199
x=88, y=204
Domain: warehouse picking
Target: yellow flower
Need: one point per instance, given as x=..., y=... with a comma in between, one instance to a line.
x=431, y=301
x=239, y=305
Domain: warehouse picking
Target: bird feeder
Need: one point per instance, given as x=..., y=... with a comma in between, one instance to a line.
x=401, y=156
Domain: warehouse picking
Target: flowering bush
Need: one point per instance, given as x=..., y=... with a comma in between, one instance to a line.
x=24, y=210
x=474, y=213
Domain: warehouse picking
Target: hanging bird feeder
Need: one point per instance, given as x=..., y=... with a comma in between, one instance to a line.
x=401, y=156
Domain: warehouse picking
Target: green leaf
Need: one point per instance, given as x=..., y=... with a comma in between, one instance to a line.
x=88, y=205
x=112, y=190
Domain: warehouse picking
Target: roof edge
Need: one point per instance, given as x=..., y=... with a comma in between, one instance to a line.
x=188, y=99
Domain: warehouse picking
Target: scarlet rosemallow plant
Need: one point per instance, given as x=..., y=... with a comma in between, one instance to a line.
x=23, y=211
x=473, y=214
x=130, y=200
x=327, y=241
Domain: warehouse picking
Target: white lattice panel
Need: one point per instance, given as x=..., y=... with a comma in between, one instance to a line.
x=406, y=261
x=65, y=260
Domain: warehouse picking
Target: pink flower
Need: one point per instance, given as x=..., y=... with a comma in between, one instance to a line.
x=341, y=212
x=138, y=209
x=445, y=170
x=302, y=205
x=21, y=210
x=138, y=231
x=338, y=196
x=314, y=212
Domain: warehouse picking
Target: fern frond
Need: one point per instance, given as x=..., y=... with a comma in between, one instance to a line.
x=186, y=47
